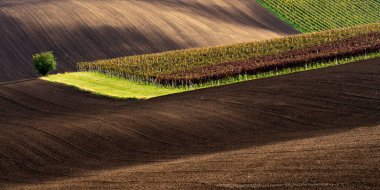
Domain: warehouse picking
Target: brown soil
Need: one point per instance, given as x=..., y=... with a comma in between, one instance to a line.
x=86, y=30
x=310, y=130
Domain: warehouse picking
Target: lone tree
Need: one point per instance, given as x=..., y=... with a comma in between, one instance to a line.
x=44, y=62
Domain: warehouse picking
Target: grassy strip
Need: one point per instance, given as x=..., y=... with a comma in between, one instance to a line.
x=111, y=86
x=115, y=87
x=319, y=15
x=150, y=66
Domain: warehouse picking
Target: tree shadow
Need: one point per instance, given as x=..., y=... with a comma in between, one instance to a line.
x=256, y=16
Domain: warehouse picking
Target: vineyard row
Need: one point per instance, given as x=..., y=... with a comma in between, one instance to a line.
x=349, y=47
x=153, y=67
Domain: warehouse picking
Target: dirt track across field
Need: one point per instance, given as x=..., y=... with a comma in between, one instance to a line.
x=310, y=130
x=86, y=30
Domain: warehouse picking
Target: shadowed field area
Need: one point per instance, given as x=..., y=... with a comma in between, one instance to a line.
x=87, y=30
x=316, y=129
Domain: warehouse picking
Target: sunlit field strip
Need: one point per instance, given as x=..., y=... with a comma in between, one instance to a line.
x=117, y=87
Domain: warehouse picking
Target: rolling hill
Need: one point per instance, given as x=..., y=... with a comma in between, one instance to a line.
x=87, y=30
x=309, y=130
x=318, y=129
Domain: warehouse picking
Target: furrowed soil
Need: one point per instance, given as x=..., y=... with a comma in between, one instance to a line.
x=312, y=130
x=87, y=30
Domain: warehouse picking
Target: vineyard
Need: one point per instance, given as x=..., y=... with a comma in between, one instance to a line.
x=318, y=15
x=345, y=48
x=192, y=66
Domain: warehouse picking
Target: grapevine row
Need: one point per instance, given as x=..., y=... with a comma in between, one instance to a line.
x=326, y=52
x=149, y=67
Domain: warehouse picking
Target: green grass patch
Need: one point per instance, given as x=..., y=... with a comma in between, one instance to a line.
x=318, y=15
x=116, y=87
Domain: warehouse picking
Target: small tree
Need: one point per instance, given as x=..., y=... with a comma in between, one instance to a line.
x=44, y=62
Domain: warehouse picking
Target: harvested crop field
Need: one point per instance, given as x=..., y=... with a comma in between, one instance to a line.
x=87, y=30
x=309, y=130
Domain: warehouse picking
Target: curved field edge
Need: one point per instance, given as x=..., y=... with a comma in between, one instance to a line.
x=58, y=137
x=150, y=66
x=280, y=16
x=313, y=15
x=116, y=87
x=87, y=30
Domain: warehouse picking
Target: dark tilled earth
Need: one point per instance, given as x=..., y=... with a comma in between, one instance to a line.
x=311, y=130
